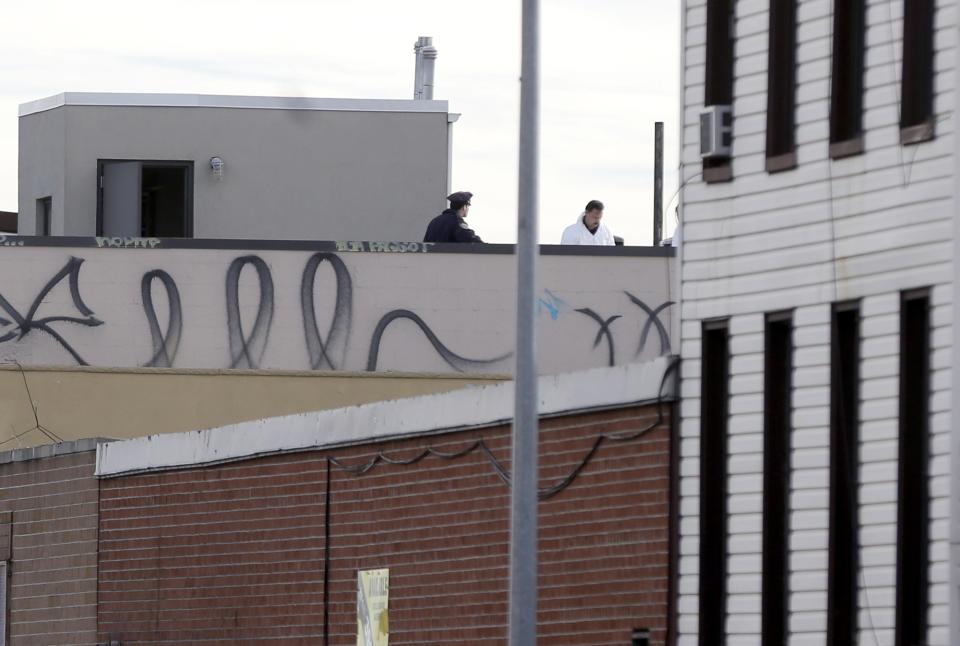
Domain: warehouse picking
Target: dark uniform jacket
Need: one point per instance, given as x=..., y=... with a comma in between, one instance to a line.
x=449, y=227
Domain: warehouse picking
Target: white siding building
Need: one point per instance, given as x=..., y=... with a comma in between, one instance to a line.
x=832, y=217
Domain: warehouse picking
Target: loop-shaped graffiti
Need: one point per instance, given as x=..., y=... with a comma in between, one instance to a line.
x=337, y=336
x=24, y=324
x=247, y=351
x=652, y=320
x=164, y=345
x=604, y=330
x=455, y=361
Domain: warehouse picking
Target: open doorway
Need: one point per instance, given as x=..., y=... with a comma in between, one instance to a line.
x=150, y=199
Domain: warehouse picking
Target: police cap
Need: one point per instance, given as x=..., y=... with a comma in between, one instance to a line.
x=459, y=198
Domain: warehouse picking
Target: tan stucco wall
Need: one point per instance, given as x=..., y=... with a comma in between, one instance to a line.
x=74, y=403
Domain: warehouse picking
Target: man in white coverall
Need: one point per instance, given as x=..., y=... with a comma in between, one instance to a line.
x=588, y=229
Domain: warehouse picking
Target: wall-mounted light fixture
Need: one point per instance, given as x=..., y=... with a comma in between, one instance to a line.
x=216, y=165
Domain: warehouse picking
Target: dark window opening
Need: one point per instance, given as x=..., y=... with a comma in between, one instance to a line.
x=718, y=83
x=781, y=85
x=44, y=211
x=846, y=90
x=778, y=368
x=713, y=482
x=145, y=199
x=916, y=81
x=9, y=222
x=913, y=496
x=844, y=477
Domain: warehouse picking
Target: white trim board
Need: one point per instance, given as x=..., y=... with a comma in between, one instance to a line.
x=470, y=407
x=228, y=101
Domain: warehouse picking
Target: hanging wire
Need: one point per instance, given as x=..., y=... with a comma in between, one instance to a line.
x=37, y=426
x=847, y=451
x=544, y=493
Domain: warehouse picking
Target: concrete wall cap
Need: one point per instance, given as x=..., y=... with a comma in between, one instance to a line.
x=472, y=407
x=111, y=99
x=51, y=450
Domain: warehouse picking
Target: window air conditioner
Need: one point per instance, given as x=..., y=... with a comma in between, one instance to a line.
x=716, y=131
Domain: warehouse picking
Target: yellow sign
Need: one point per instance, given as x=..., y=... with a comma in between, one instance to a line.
x=373, y=593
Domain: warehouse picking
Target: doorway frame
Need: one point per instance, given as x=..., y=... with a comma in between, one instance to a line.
x=188, y=185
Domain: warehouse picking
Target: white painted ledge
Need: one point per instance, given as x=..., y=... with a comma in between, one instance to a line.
x=227, y=101
x=471, y=407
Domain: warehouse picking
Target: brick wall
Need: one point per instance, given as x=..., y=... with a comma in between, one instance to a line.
x=49, y=513
x=237, y=552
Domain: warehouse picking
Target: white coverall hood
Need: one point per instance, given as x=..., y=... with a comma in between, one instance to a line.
x=577, y=233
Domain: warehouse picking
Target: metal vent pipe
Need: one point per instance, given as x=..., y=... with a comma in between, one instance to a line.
x=425, y=55
x=429, y=54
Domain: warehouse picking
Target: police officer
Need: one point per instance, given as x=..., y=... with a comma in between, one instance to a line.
x=450, y=226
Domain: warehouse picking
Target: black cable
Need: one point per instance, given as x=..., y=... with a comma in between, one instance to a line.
x=550, y=492
x=543, y=493
x=16, y=437
x=53, y=437
x=676, y=193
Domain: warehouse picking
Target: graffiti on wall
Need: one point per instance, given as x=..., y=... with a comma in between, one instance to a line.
x=455, y=361
x=24, y=324
x=329, y=353
x=325, y=349
x=653, y=319
x=604, y=331
x=246, y=350
x=165, y=345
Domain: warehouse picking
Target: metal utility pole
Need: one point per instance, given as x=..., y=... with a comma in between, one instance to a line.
x=523, y=492
x=657, y=183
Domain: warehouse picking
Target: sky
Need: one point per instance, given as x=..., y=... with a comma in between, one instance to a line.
x=609, y=70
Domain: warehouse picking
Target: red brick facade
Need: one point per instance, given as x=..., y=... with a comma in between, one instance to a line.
x=244, y=551
x=48, y=536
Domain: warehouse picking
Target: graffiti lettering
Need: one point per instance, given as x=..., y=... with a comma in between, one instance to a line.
x=129, y=243
x=384, y=247
x=24, y=324
x=455, y=361
x=653, y=319
x=604, y=329
x=6, y=241
x=339, y=331
x=164, y=345
x=247, y=351
x=553, y=304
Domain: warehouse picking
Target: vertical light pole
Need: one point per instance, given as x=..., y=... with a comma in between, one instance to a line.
x=523, y=492
x=657, y=183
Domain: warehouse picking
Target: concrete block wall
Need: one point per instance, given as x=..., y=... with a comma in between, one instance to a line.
x=343, y=306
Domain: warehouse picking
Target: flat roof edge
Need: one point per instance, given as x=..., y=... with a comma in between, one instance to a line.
x=52, y=450
x=111, y=99
x=336, y=246
x=463, y=409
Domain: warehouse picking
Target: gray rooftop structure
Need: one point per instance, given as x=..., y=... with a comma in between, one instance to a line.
x=243, y=167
